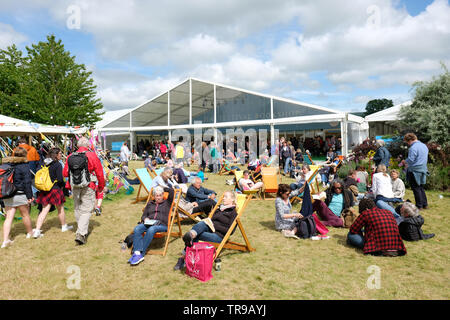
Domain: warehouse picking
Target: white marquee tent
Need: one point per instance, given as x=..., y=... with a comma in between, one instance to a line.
x=195, y=104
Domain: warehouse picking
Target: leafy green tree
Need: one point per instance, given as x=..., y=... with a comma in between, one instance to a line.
x=377, y=105
x=429, y=114
x=48, y=86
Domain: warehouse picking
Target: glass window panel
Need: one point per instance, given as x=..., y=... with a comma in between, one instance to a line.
x=153, y=113
x=202, y=102
x=179, y=104
x=233, y=105
x=282, y=109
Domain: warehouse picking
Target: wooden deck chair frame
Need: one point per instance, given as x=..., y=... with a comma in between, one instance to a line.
x=309, y=182
x=224, y=164
x=192, y=216
x=237, y=176
x=226, y=243
x=141, y=187
x=275, y=173
x=173, y=217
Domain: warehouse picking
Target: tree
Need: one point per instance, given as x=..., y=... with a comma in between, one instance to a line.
x=429, y=114
x=48, y=86
x=377, y=105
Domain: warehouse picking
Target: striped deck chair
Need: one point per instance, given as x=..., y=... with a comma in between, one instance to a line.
x=145, y=179
x=237, y=176
x=315, y=171
x=242, y=201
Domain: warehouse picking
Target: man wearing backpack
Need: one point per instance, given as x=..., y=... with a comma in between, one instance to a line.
x=84, y=169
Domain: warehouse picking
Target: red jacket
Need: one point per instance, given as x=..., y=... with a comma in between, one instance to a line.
x=381, y=231
x=94, y=167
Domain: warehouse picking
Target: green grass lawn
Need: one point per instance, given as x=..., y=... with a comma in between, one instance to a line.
x=280, y=268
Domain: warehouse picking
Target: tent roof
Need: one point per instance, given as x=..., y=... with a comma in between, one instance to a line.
x=153, y=114
x=13, y=126
x=389, y=114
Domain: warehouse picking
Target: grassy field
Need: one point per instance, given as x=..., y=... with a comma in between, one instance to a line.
x=280, y=268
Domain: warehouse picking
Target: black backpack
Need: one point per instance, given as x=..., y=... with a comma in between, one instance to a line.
x=306, y=227
x=7, y=188
x=79, y=176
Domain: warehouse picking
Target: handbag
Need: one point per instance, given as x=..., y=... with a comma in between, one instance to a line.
x=199, y=260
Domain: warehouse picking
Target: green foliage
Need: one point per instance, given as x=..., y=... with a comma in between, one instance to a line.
x=47, y=86
x=439, y=178
x=429, y=114
x=377, y=105
x=345, y=168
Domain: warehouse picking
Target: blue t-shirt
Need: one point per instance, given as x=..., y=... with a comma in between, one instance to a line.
x=337, y=204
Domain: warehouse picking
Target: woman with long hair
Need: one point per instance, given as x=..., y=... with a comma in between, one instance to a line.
x=23, y=195
x=53, y=197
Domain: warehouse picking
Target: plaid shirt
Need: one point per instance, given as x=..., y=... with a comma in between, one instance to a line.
x=381, y=231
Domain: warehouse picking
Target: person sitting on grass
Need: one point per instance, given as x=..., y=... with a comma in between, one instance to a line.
x=338, y=198
x=351, y=183
x=381, y=235
x=245, y=183
x=382, y=190
x=411, y=226
x=398, y=186
x=222, y=220
x=284, y=217
x=154, y=219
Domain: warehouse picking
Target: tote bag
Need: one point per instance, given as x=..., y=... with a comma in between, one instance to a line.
x=199, y=260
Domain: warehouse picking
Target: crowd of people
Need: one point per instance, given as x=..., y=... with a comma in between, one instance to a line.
x=385, y=218
x=85, y=182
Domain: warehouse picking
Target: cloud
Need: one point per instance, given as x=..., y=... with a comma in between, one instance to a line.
x=9, y=36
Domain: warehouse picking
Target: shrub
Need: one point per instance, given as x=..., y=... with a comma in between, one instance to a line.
x=439, y=178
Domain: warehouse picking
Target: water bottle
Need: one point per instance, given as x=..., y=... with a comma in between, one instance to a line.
x=217, y=265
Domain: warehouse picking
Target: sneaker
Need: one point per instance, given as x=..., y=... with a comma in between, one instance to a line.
x=37, y=234
x=136, y=259
x=98, y=211
x=66, y=227
x=29, y=235
x=315, y=238
x=7, y=243
x=79, y=239
x=180, y=264
x=289, y=234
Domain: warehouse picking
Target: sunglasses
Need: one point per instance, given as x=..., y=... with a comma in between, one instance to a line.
x=340, y=188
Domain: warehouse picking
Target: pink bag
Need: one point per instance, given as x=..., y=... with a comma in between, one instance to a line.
x=199, y=260
x=319, y=226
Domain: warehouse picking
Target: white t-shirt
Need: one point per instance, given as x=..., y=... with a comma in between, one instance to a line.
x=382, y=185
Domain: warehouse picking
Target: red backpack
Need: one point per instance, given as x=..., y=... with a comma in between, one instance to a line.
x=7, y=188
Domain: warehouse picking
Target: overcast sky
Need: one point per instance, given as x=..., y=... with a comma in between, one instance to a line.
x=337, y=54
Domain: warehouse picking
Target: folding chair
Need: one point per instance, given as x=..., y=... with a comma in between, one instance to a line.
x=173, y=216
x=193, y=216
x=270, y=180
x=155, y=173
x=237, y=176
x=310, y=181
x=225, y=167
x=242, y=201
x=143, y=174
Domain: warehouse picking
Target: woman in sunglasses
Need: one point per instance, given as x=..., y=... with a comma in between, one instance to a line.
x=338, y=198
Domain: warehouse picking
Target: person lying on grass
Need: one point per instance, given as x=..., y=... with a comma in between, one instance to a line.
x=153, y=220
x=221, y=220
x=285, y=219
